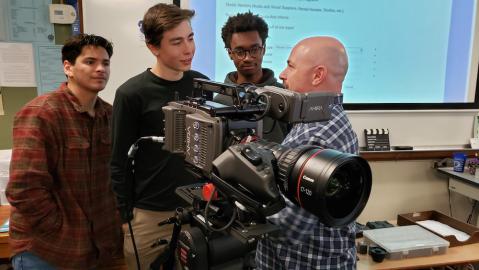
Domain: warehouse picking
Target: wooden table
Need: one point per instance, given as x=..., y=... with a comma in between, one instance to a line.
x=5, y=250
x=459, y=255
x=454, y=256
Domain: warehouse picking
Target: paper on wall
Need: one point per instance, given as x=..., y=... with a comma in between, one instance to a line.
x=17, y=68
x=49, y=67
x=28, y=21
x=2, y=111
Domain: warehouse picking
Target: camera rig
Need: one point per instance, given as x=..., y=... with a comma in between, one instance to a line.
x=249, y=176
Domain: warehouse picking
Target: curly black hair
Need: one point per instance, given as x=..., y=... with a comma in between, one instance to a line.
x=244, y=22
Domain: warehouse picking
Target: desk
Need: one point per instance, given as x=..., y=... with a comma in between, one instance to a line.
x=459, y=255
x=463, y=183
x=417, y=154
x=454, y=256
x=5, y=250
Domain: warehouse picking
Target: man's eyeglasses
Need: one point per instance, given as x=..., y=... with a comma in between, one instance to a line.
x=254, y=51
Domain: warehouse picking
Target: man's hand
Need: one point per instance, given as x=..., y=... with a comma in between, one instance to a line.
x=125, y=228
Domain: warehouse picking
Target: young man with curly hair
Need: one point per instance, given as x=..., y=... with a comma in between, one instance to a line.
x=244, y=36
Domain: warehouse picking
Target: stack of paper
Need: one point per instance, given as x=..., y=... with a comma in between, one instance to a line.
x=443, y=229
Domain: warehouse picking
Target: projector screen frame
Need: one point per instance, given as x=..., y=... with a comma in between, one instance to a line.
x=474, y=81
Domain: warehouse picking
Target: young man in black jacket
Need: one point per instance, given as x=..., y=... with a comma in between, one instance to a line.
x=245, y=36
x=137, y=112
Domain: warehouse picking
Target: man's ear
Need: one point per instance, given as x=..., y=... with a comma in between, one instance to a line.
x=154, y=50
x=68, y=68
x=319, y=74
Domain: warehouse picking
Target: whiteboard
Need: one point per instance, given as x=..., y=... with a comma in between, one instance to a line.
x=117, y=20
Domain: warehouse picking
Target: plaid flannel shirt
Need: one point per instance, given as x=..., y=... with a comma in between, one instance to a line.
x=306, y=243
x=63, y=208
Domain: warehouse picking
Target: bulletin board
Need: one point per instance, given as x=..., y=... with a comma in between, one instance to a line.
x=14, y=98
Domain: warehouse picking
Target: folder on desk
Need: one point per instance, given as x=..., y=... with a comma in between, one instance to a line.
x=4, y=227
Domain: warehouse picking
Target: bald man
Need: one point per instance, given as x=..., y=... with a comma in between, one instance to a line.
x=316, y=64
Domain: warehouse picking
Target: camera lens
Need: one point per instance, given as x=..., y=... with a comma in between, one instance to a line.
x=344, y=189
x=332, y=185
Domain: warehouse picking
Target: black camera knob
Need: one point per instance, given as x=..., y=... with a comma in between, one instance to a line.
x=251, y=155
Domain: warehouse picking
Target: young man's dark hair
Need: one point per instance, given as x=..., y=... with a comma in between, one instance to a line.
x=74, y=45
x=160, y=18
x=244, y=22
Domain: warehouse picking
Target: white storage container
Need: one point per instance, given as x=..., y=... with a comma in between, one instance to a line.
x=406, y=241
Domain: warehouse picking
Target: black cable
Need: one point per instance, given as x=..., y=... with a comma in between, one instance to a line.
x=134, y=246
x=130, y=168
x=450, y=205
x=271, y=129
x=233, y=217
x=472, y=212
x=131, y=175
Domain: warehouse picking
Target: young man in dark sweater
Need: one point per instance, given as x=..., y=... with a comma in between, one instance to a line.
x=137, y=111
x=244, y=36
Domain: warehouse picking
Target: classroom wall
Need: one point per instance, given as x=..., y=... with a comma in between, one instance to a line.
x=401, y=187
x=435, y=129
x=117, y=20
x=15, y=97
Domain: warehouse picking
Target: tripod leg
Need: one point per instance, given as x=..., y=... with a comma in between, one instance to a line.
x=166, y=260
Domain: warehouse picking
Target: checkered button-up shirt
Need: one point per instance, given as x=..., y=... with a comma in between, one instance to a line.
x=63, y=208
x=306, y=243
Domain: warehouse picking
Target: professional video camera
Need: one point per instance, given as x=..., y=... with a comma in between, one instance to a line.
x=248, y=175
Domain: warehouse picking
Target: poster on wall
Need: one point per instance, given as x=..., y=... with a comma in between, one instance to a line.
x=28, y=21
x=49, y=67
x=3, y=23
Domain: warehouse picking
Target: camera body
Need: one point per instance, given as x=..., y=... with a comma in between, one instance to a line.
x=252, y=176
x=201, y=130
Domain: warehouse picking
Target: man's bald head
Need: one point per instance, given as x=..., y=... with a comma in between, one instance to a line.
x=316, y=64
